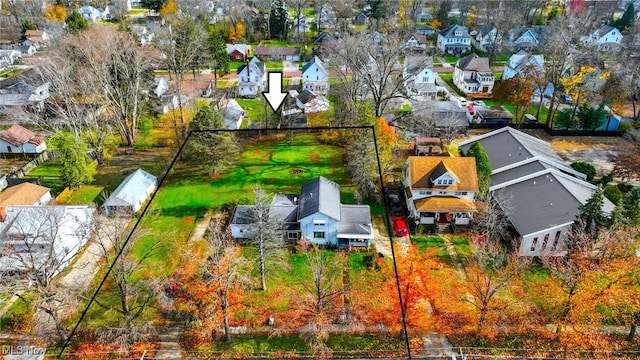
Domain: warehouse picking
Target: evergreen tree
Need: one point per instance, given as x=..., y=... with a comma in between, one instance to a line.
x=591, y=216
x=154, y=5
x=628, y=211
x=77, y=165
x=483, y=167
x=278, y=20
x=591, y=118
x=218, y=54
x=378, y=8
x=626, y=21
x=76, y=22
x=206, y=145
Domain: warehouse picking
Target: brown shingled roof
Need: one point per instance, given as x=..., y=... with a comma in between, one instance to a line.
x=474, y=62
x=464, y=168
x=21, y=194
x=17, y=135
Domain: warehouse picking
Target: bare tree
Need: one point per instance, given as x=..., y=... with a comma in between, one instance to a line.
x=186, y=41
x=129, y=281
x=319, y=303
x=113, y=74
x=363, y=167
x=489, y=269
x=492, y=219
x=216, y=278
x=372, y=62
x=266, y=234
x=38, y=243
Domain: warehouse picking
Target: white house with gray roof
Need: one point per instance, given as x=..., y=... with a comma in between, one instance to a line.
x=252, y=78
x=539, y=193
x=316, y=215
x=315, y=76
x=454, y=40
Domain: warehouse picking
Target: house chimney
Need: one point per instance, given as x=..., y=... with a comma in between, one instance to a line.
x=248, y=72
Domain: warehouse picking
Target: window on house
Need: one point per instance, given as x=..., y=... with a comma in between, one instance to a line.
x=443, y=192
x=555, y=241
x=317, y=77
x=461, y=193
x=9, y=149
x=544, y=242
x=318, y=234
x=318, y=222
x=534, y=243
x=422, y=192
x=292, y=235
x=450, y=182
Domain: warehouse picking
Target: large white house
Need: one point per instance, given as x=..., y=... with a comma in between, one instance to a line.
x=473, y=75
x=315, y=76
x=252, y=78
x=419, y=77
x=43, y=238
x=523, y=63
x=605, y=38
x=316, y=216
x=454, y=40
x=539, y=193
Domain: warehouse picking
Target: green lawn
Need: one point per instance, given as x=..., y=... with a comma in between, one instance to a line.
x=533, y=109
x=452, y=60
x=50, y=174
x=274, y=65
x=279, y=43
x=290, y=345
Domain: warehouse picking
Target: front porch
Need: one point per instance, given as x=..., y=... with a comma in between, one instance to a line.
x=348, y=244
x=444, y=210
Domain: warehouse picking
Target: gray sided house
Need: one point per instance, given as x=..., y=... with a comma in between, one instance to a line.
x=18, y=140
x=316, y=216
x=132, y=192
x=538, y=192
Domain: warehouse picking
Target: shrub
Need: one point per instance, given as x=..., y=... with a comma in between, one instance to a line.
x=625, y=126
x=145, y=125
x=625, y=188
x=613, y=193
x=585, y=168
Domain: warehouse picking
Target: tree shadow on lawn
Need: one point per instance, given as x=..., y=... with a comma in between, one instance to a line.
x=183, y=211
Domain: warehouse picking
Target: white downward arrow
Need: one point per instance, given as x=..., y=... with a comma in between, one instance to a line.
x=275, y=96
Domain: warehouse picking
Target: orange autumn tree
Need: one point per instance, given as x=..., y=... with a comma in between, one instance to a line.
x=55, y=13
x=216, y=280
x=168, y=8
x=386, y=140
x=415, y=276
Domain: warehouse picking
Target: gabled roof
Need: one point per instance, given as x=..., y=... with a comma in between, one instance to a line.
x=240, y=47
x=322, y=37
x=421, y=39
x=320, y=195
x=256, y=65
x=485, y=29
x=508, y=146
x=422, y=168
x=544, y=199
x=318, y=63
x=17, y=135
x=450, y=32
x=530, y=166
x=271, y=50
x=355, y=221
x=604, y=30
x=22, y=194
x=133, y=190
x=474, y=63
x=305, y=96
x=440, y=170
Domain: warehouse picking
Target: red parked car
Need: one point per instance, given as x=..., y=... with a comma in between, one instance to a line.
x=399, y=226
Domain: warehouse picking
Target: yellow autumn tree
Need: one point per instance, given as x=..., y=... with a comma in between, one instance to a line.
x=403, y=16
x=55, y=13
x=169, y=8
x=573, y=85
x=435, y=23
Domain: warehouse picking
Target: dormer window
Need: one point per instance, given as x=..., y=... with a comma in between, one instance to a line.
x=458, y=32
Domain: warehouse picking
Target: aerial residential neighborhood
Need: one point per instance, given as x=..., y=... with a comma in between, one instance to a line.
x=320, y=179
